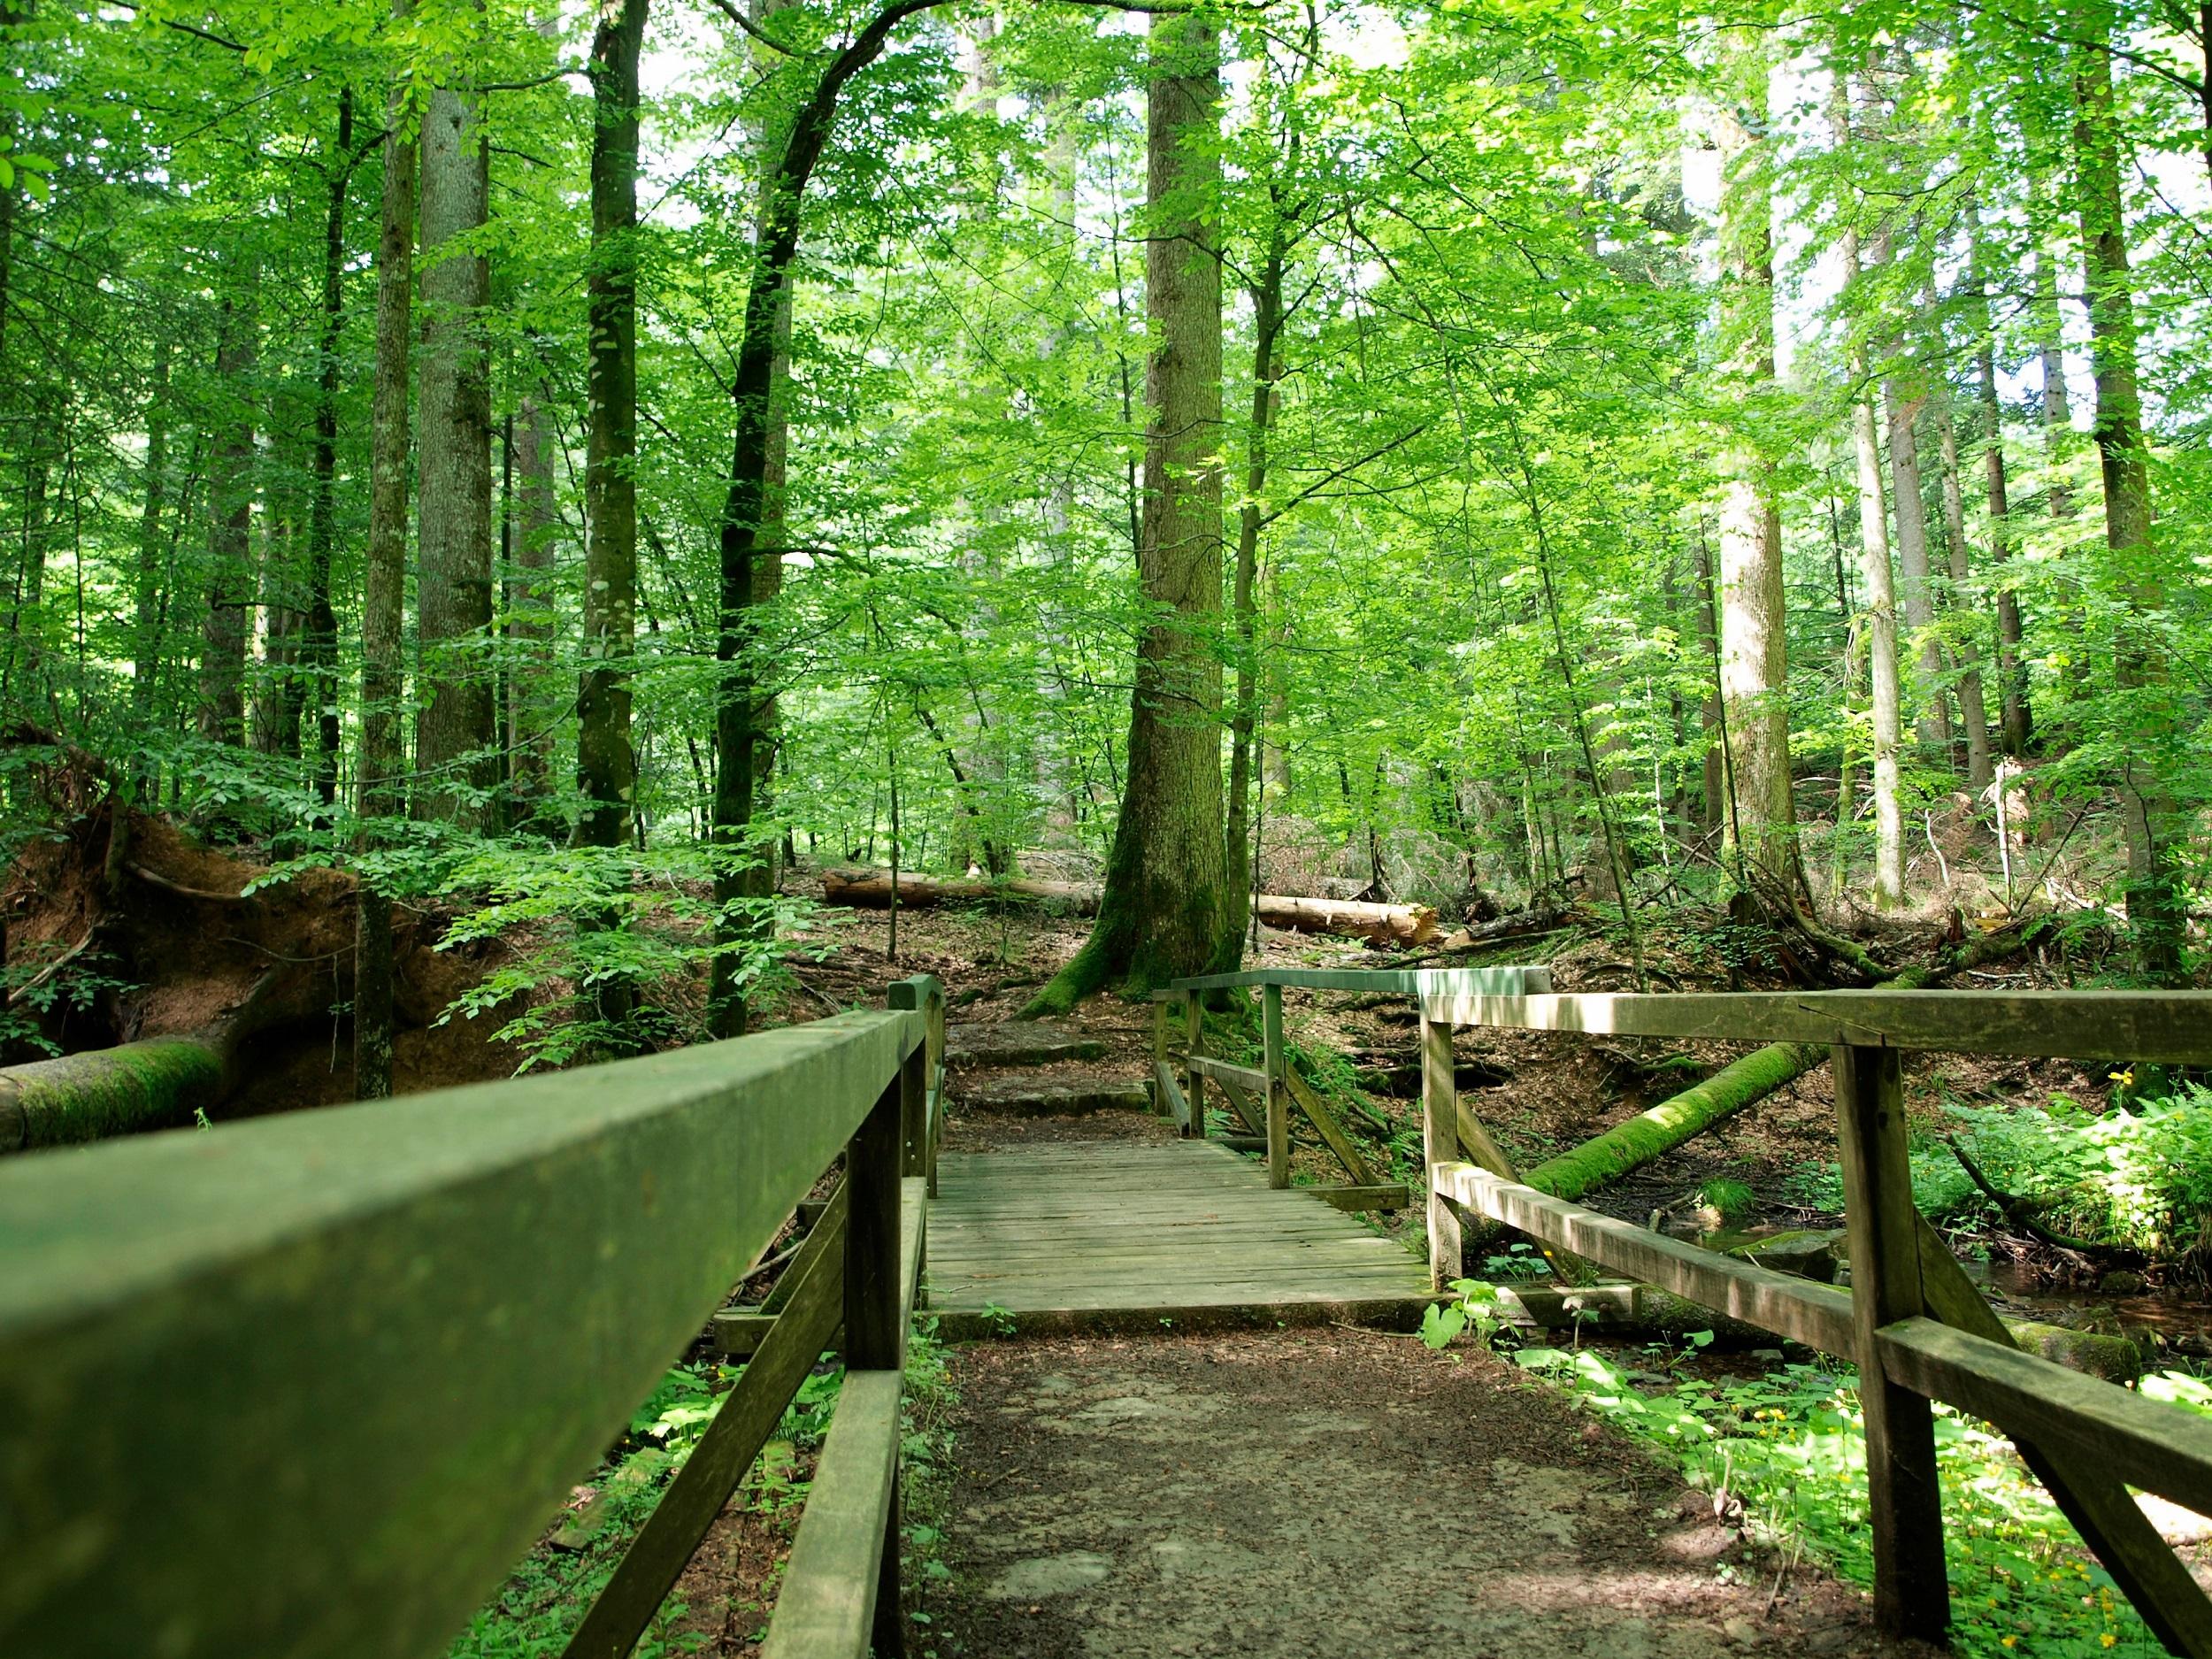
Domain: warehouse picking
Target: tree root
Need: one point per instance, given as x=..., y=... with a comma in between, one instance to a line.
x=2021, y=1213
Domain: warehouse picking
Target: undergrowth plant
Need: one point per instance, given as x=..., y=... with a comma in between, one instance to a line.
x=1785, y=1452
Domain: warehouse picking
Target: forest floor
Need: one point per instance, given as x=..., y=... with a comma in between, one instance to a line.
x=1285, y=1492
x=1324, y=1492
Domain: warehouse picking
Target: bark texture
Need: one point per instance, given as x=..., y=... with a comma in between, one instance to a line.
x=1762, y=824
x=1160, y=915
x=222, y=714
x=384, y=600
x=606, y=765
x=454, y=732
x=2156, y=907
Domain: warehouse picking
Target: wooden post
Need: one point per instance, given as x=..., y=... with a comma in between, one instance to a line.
x=875, y=1337
x=1439, y=1144
x=1193, y=1081
x=914, y=1080
x=1912, y=1595
x=1160, y=1106
x=1277, y=1091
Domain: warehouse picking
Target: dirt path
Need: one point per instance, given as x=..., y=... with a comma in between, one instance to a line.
x=1330, y=1493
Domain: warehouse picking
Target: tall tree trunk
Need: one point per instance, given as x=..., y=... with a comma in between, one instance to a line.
x=1236, y=893
x=148, y=579
x=1716, y=770
x=737, y=689
x=1972, y=712
x=315, y=685
x=1886, y=697
x=2156, y=910
x=530, y=713
x=453, y=596
x=384, y=598
x=606, y=766
x=1754, y=685
x=1901, y=405
x=230, y=530
x=1160, y=914
x=2012, y=674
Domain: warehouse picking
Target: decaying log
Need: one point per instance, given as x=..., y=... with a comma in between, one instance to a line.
x=157, y=1083
x=1352, y=918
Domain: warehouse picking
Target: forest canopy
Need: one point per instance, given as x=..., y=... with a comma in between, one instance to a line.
x=585, y=464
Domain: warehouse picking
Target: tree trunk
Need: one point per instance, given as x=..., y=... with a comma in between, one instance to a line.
x=453, y=732
x=1886, y=694
x=148, y=579
x=1754, y=686
x=2012, y=674
x=384, y=598
x=315, y=685
x=744, y=503
x=1714, y=814
x=2156, y=907
x=1972, y=712
x=531, y=714
x=1160, y=917
x=606, y=766
x=222, y=717
x=158, y=1083
x=1901, y=410
x=1236, y=889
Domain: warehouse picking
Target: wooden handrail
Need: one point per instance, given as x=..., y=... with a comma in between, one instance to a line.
x=1917, y=1329
x=354, y=1357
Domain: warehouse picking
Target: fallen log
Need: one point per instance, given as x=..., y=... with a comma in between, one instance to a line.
x=157, y=1083
x=1352, y=918
x=1652, y=1133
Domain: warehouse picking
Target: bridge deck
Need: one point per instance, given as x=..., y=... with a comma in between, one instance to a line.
x=1106, y=1236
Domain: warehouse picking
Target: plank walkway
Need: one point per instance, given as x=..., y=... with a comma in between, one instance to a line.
x=1097, y=1236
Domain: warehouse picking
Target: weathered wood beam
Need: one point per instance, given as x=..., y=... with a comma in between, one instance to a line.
x=827, y=1605
x=378, y=1283
x=2174, y=1026
x=1446, y=982
x=1365, y=1196
x=1816, y=1314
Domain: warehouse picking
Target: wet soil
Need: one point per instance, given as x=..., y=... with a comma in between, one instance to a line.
x=1331, y=1492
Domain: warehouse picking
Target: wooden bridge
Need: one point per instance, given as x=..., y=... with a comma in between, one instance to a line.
x=309, y=1385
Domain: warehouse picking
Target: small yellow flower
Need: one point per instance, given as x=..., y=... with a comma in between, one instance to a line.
x=2012, y=1641
x=2108, y=1639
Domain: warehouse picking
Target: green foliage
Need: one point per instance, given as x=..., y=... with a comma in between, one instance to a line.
x=2140, y=1179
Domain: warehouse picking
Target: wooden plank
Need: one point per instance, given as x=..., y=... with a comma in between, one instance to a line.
x=650, y=1568
x=913, y=1251
x=1366, y=1195
x=1322, y=1119
x=2102, y=1510
x=737, y=1333
x=1160, y=1051
x=401, y=1249
x=1385, y=981
x=1194, y=1079
x=1250, y=1079
x=1246, y=1108
x=2174, y=1026
x=1241, y=1143
x=2145, y=1443
x=1912, y=1595
x=875, y=1340
x=827, y=1604
x=1439, y=1143
x=1171, y=1095
x=1818, y=1316
x=1276, y=1098
x=829, y=1213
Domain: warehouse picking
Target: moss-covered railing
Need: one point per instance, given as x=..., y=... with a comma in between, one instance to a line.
x=1913, y=1322
x=311, y=1384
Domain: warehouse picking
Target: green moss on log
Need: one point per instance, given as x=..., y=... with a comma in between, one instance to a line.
x=1657, y=1131
x=156, y=1084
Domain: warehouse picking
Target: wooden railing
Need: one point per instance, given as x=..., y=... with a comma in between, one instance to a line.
x=1915, y=1325
x=1263, y=1097
x=312, y=1384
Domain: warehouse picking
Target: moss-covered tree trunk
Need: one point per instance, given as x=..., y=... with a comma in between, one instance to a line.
x=1159, y=916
